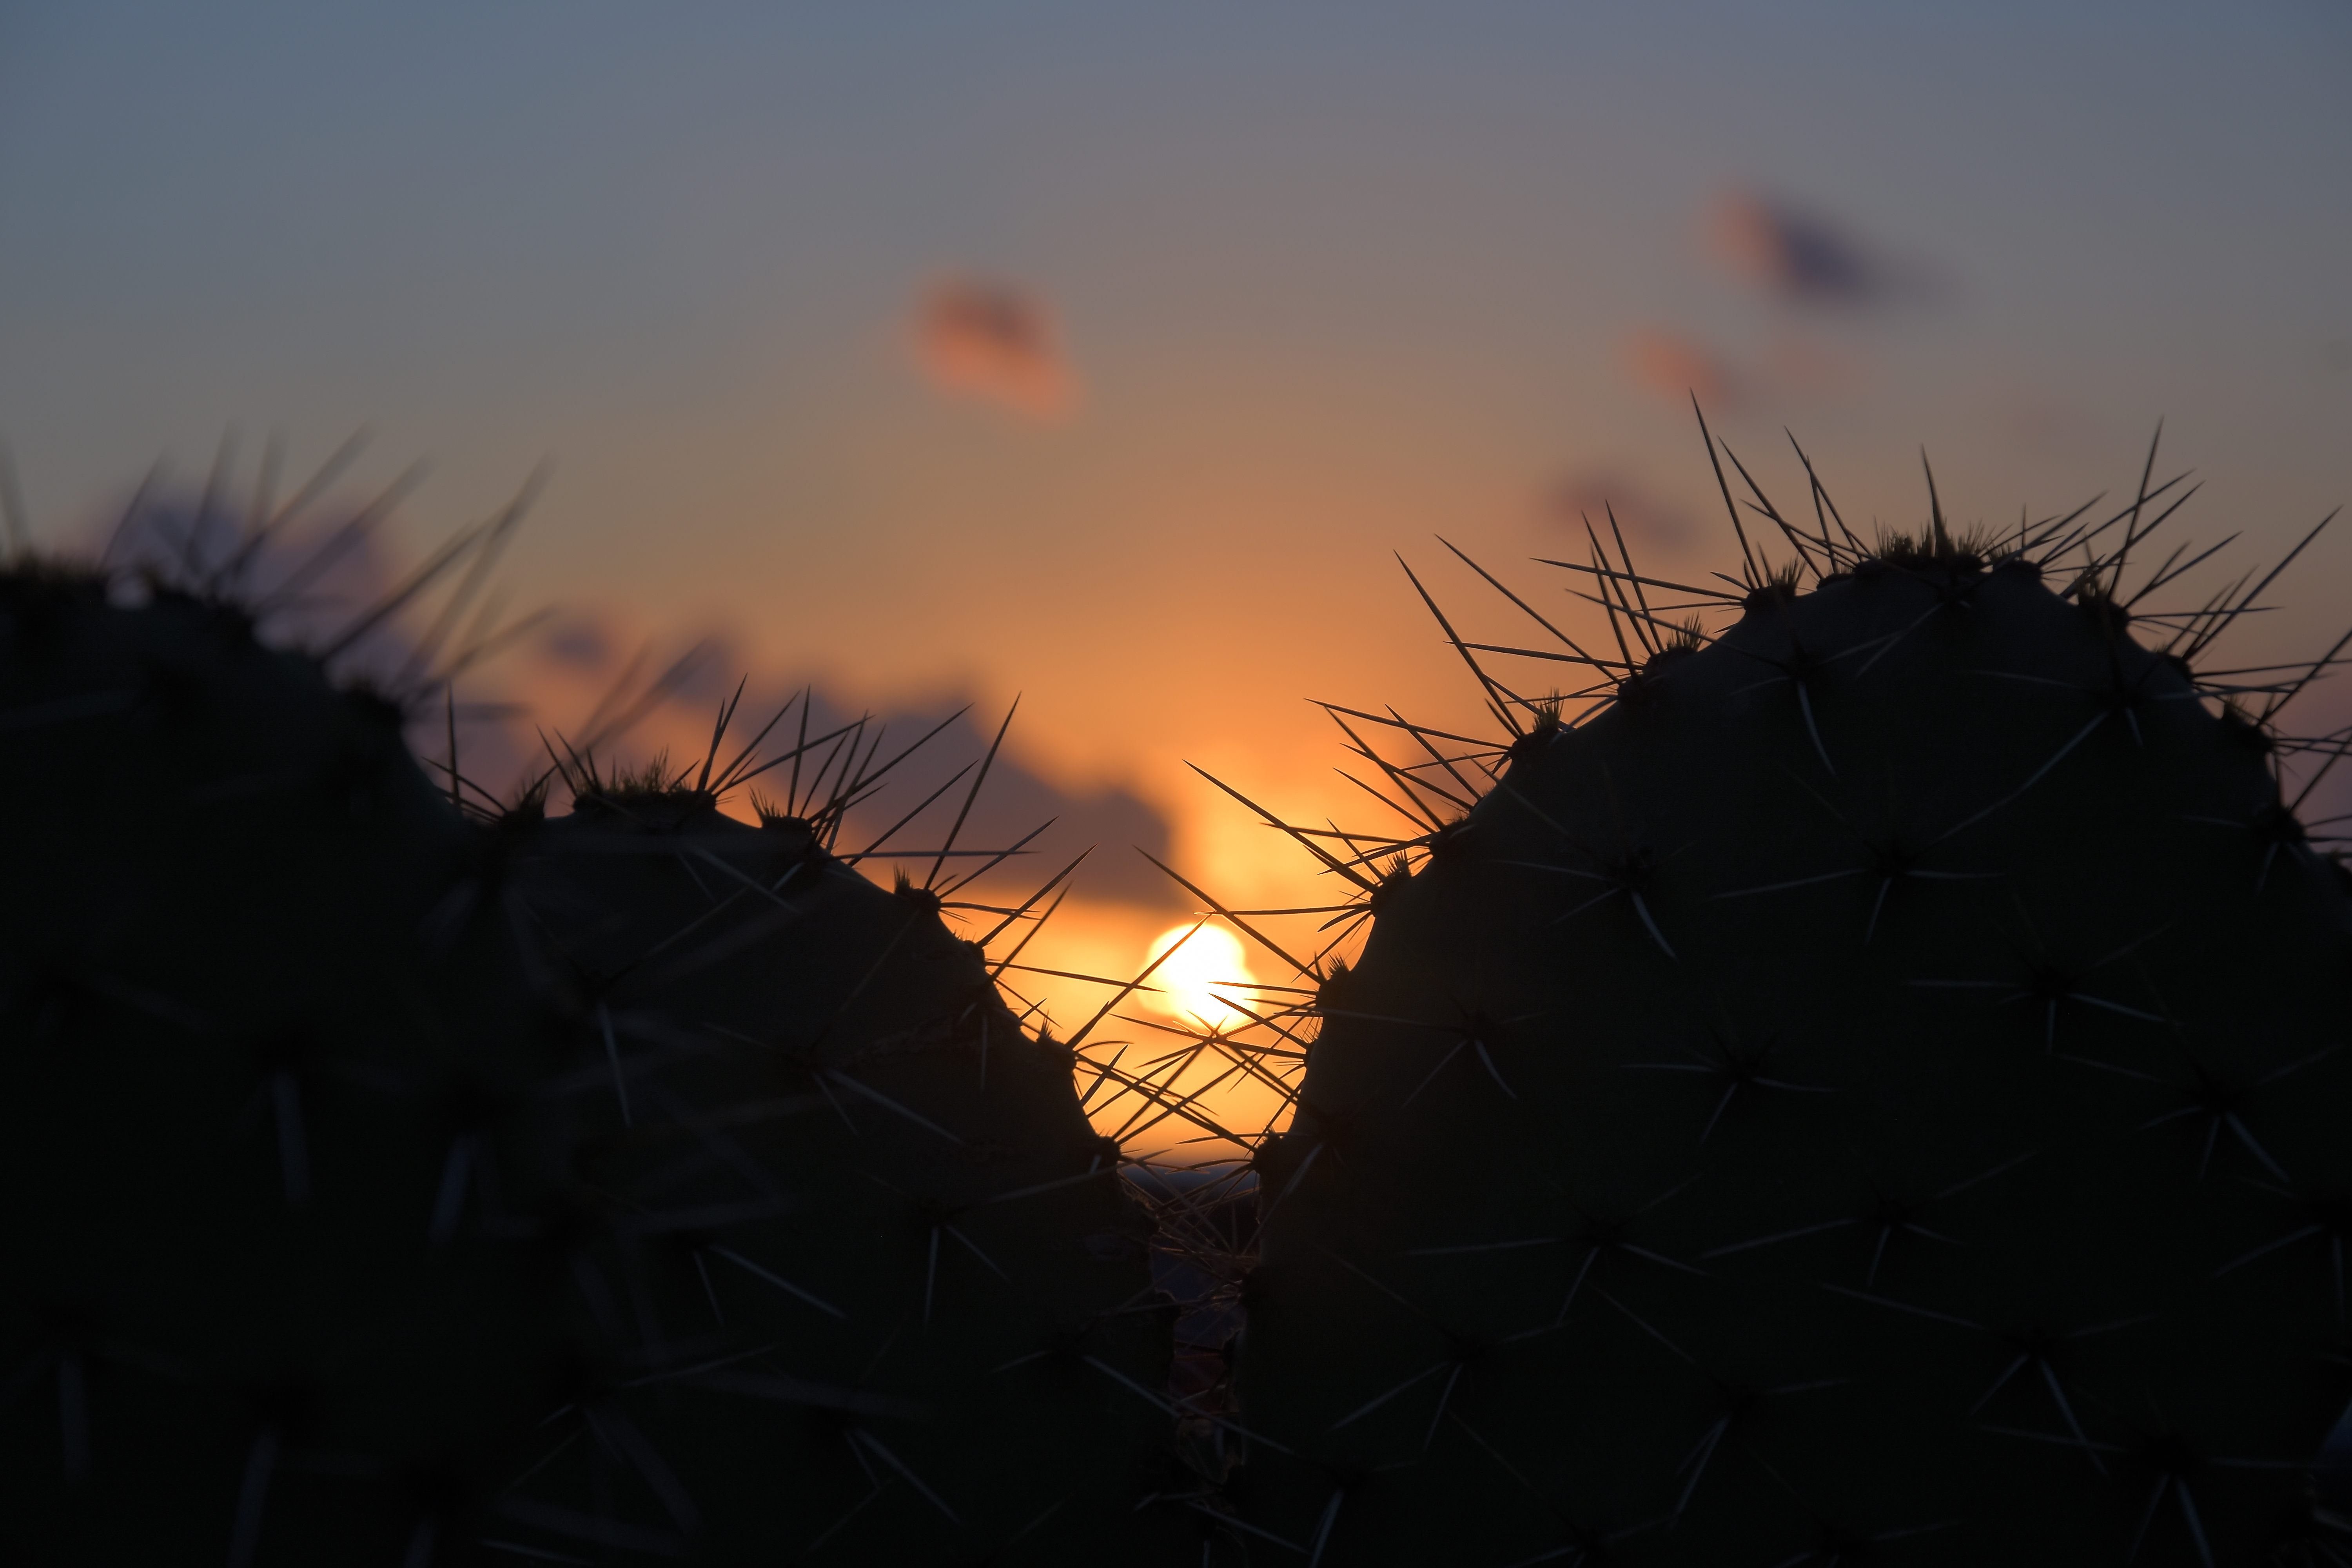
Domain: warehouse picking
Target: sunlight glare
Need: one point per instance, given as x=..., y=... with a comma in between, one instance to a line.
x=1212, y=958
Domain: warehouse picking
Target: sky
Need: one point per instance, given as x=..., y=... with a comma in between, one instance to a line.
x=1108, y=357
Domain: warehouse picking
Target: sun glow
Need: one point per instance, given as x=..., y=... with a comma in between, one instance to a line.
x=1210, y=961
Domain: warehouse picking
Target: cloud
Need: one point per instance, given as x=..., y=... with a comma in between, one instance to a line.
x=596, y=676
x=986, y=340
x=1646, y=517
x=1014, y=801
x=582, y=642
x=1676, y=368
x=319, y=581
x=1799, y=255
x=594, y=681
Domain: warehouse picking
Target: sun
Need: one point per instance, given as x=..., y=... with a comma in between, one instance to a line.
x=1210, y=961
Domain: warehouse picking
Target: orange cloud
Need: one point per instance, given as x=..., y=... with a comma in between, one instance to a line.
x=991, y=341
x=1676, y=368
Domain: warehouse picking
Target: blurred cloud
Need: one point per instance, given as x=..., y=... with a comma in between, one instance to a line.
x=1015, y=801
x=581, y=642
x=590, y=677
x=1677, y=368
x=1800, y=256
x=986, y=340
x=633, y=694
x=321, y=581
x=1596, y=493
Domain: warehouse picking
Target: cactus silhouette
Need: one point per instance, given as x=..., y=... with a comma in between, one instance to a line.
x=1870, y=1088
x=277, y=1165
x=1863, y=1080
x=877, y=1290
x=719, y=1209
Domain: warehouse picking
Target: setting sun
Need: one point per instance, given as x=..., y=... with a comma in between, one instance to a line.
x=1209, y=961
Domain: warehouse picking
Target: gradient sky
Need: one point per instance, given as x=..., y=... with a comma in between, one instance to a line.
x=1320, y=281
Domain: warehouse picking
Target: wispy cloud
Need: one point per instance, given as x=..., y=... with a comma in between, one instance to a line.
x=987, y=340
x=1801, y=255
x=1598, y=494
x=634, y=692
x=598, y=677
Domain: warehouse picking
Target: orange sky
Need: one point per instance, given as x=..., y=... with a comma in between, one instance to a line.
x=1110, y=363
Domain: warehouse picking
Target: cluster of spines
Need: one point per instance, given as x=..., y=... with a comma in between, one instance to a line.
x=1445, y=774
x=602, y=1252
x=819, y=778
x=384, y=1079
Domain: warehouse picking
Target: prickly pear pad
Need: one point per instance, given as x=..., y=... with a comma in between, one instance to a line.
x=1879, y=1084
x=274, y=1151
x=885, y=1294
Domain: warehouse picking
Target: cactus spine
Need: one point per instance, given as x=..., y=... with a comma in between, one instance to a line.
x=878, y=1290
x=1869, y=1089
x=1874, y=1091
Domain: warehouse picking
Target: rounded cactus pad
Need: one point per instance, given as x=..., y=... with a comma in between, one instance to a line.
x=1874, y=1091
x=878, y=1293
x=277, y=1157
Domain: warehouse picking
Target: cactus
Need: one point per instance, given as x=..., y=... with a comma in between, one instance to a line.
x=1872, y=1089
x=363, y=1234
x=278, y=1289
x=877, y=1290
x=1866, y=1088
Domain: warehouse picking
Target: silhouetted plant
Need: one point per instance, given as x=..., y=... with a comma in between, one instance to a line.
x=1864, y=1083
x=1871, y=1088
x=279, y=1160
x=877, y=1291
